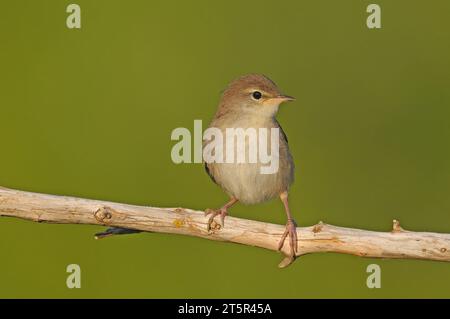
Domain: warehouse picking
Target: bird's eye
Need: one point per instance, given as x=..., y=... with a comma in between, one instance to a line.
x=257, y=95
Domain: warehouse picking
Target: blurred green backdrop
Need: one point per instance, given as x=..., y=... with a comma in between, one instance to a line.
x=89, y=113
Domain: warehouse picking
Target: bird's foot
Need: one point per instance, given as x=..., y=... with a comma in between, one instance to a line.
x=291, y=231
x=222, y=212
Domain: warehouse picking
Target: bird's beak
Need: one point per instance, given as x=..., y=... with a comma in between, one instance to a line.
x=285, y=98
x=280, y=99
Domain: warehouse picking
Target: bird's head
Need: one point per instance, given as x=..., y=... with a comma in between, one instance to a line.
x=253, y=94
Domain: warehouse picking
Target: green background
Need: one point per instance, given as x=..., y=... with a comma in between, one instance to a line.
x=89, y=113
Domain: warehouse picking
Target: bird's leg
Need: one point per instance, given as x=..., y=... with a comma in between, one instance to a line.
x=291, y=228
x=223, y=211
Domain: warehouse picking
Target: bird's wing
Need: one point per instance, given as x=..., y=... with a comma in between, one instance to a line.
x=209, y=173
x=283, y=135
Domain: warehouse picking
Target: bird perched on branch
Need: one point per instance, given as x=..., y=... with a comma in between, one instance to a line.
x=252, y=101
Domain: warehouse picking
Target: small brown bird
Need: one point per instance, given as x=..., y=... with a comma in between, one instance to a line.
x=252, y=101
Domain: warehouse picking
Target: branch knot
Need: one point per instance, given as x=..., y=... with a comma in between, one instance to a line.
x=318, y=227
x=103, y=214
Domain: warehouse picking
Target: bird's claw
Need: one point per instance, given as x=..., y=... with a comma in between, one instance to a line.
x=222, y=214
x=291, y=230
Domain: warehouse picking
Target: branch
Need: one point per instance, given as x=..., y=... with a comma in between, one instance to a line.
x=397, y=243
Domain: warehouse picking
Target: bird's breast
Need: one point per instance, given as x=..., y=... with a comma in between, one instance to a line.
x=257, y=179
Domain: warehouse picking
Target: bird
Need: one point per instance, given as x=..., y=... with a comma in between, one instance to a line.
x=252, y=101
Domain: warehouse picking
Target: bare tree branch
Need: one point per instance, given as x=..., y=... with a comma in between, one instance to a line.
x=397, y=243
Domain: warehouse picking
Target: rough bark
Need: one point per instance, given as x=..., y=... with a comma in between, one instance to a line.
x=397, y=243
